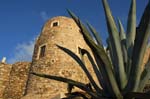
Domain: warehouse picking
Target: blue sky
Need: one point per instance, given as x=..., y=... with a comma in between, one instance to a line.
x=21, y=20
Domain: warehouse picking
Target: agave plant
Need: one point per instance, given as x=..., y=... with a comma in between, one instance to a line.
x=119, y=72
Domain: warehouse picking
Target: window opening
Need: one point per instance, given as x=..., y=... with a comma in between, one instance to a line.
x=55, y=24
x=42, y=51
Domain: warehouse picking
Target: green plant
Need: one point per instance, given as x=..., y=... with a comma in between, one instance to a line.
x=119, y=72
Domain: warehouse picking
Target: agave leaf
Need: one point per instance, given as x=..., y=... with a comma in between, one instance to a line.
x=69, y=81
x=75, y=95
x=76, y=19
x=142, y=36
x=113, y=59
x=77, y=59
x=79, y=23
x=101, y=58
x=89, y=41
x=137, y=95
x=110, y=49
x=115, y=40
x=131, y=27
x=131, y=32
x=106, y=77
x=145, y=76
x=104, y=63
x=122, y=33
x=123, y=44
x=96, y=70
x=125, y=57
x=95, y=34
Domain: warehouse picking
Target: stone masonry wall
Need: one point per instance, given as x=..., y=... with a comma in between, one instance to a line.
x=17, y=81
x=56, y=62
x=4, y=77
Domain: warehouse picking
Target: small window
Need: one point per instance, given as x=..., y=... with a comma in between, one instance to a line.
x=42, y=51
x=55, y=24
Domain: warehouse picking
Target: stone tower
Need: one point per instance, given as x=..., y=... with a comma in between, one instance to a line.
x=49, y=59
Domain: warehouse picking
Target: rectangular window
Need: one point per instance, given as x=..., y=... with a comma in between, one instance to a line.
x=42, y=51
x=55, y=24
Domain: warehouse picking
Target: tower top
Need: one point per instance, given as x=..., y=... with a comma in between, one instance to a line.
x=57, y=30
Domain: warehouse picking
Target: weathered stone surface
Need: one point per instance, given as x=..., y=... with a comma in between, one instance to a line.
x=17, y=81
x=4, y=77
x=56, y=62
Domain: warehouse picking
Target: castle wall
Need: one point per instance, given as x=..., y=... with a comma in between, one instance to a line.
x=4, y=77
x=17, y=81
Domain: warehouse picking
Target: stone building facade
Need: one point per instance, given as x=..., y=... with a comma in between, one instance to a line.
x=17, y=83
x=49, y=59
x=13, y=80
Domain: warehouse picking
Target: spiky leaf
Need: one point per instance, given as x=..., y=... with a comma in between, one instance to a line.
x=122, y=35
x=131, y=27
x=75, y=57
x=95, y=34
x=102, y=58
x=142, y=36
x=115, y=40
x=69, y=81
x=99, y=76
